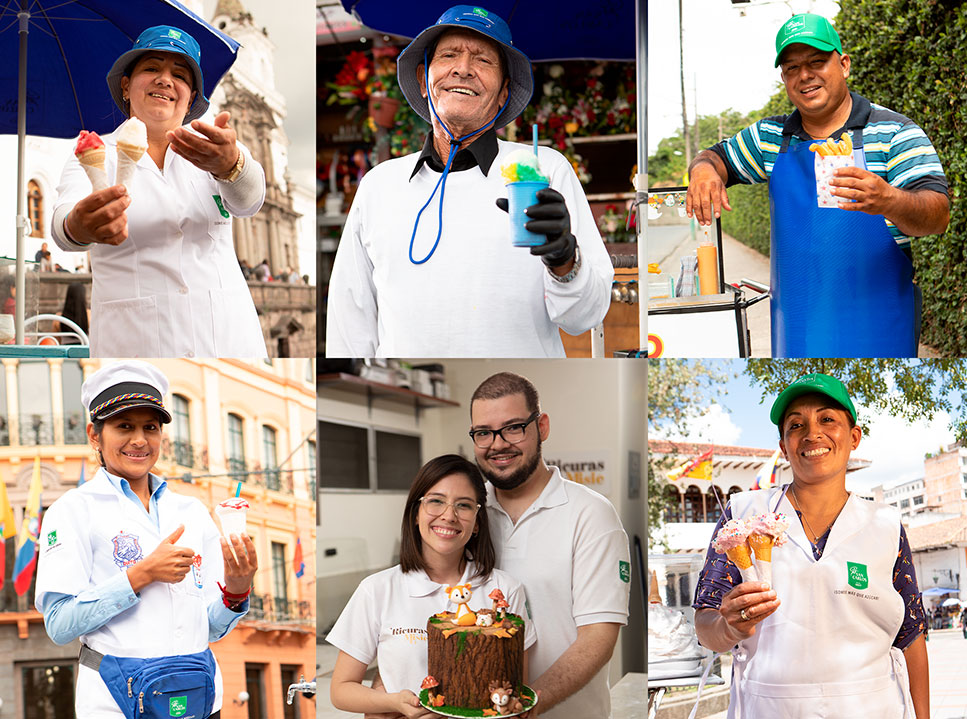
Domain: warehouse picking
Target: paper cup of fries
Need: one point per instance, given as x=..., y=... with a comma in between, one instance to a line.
x=831, y=155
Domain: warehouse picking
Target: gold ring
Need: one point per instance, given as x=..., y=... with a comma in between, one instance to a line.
x=745, y=617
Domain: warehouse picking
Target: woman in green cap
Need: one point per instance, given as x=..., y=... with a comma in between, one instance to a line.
x=844, y=591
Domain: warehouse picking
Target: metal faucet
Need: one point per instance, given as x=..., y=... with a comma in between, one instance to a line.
x=302, y=686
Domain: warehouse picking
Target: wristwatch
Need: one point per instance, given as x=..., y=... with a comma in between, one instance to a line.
x=564, y=279
x=235, y=171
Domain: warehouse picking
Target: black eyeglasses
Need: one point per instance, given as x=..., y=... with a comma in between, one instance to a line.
x=512, y=433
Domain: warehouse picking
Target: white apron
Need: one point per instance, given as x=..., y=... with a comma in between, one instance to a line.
x=827, y=652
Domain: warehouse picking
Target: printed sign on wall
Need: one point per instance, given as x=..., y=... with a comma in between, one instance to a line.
x=592, y=468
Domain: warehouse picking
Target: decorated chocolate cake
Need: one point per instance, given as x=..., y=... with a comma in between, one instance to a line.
x=475, y=660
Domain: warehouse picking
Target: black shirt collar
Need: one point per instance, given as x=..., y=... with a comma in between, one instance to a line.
x=479, y=153
x=859, y=115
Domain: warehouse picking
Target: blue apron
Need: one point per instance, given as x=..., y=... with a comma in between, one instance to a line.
x=840, y=285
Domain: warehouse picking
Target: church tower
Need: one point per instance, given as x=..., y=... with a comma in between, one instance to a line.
x=248, y=92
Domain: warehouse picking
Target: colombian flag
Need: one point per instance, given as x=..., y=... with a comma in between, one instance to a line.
x=297, y=564
x=26, y=560
x=6, y=527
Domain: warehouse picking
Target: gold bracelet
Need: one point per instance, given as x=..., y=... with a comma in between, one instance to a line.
x=235, y=171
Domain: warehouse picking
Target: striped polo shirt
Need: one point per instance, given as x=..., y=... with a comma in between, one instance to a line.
x=896, y=149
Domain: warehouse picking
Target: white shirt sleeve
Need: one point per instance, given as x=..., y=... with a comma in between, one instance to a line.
x=74, y=186
x=356, y=632
x=352, y=313
x=601, y=583
x=244, y=197
x=517, y=599
x=66, y=559
x=582, y=303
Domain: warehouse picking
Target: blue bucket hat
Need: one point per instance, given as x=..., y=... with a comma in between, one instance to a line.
x=490, y=25
x=162, y=38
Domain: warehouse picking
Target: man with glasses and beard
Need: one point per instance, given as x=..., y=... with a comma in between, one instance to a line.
x=565, y=543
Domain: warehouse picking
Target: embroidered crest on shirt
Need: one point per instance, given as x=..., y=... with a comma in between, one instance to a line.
x=221, y=209
x=127, y=550
x=858, y=575
x=196, y=570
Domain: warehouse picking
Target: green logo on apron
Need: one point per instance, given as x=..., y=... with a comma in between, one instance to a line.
x=177, y=706
x=624, y=571
x=858, y=575
x=221, y=209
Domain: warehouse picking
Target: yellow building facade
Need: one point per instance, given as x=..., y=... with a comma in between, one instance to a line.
x=234, y=421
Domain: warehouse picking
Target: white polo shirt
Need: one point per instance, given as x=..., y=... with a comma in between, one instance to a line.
x=571, y=552
x=386, y=619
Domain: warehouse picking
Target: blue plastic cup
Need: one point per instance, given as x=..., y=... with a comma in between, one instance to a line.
x=520, y=196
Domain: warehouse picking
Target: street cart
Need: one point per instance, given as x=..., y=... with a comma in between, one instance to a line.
x=658, y=687
x=692, y=312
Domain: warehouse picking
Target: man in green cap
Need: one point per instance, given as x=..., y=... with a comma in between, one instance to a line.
x=851, y=249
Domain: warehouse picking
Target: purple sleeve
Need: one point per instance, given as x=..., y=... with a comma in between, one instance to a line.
x=718, y=576
x=905, y=582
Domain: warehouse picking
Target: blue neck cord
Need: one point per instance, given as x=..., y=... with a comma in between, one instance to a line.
x=454, y=146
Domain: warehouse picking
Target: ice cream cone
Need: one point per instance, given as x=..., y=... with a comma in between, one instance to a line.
x=764, y=569
x=740, y=556
x=762, y=546
x=93, y=157
x=128, y=156
x=654, y=596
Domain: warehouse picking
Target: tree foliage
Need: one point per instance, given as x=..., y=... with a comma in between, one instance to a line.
x=667, y=169
x=915, y=390
x=911, y=55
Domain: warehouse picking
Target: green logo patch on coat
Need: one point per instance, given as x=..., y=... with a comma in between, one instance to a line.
x=221, y=209
x=52, y=538
x=177, y=706
x=624, y=571
x=858, y=576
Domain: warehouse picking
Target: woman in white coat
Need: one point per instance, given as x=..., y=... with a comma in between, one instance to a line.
x=445, y=542
x=166, y=280
x=839, y=633
x=134, y=570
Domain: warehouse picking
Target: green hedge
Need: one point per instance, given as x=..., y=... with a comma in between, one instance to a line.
x=910, y=56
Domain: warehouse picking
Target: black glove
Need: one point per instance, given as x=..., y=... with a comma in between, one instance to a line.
x=549, y=217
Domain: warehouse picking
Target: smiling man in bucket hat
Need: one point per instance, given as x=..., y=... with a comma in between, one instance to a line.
x=851, y=253
x=426, y=266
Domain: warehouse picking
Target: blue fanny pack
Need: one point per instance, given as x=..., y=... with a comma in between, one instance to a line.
x=179, y=687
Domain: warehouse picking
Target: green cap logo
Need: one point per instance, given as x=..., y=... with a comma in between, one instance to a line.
x=624, y=571
x=51, y=538
x=481, y=12
x=177, y=706
x=858, y=575
x=174, y=34
x=221, y=209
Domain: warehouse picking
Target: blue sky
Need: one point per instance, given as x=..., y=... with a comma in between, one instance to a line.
x=895, y=447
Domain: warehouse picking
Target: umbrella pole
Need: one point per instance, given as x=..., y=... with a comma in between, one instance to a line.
x=641, y=179
x=24, y=17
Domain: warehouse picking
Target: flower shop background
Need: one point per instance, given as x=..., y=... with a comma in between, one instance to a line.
x=584, y=109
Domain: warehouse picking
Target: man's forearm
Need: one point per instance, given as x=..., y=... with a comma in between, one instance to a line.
x=918, y=670
x=919, y=212
x=578, y=665
x=713, y=159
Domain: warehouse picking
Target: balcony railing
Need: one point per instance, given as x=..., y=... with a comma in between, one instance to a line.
x=36, y=430
x=279, y=610
x=184, y=454
x=252, y=474
x=75, y=428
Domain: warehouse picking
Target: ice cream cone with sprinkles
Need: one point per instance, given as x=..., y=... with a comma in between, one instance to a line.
x=766, y=531
x=732, y=540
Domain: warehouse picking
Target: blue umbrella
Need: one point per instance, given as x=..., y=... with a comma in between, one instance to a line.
x=544, y=31
x=63, y=55
x=563, y=30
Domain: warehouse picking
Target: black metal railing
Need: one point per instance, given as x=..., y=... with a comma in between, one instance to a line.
x=279, y=610
x=36, y=430
x=184, y=454
x=75, y=428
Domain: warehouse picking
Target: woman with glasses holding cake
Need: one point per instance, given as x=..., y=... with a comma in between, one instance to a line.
x=446, y=562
